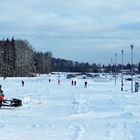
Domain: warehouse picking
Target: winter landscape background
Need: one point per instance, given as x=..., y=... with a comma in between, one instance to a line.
x=64, y=112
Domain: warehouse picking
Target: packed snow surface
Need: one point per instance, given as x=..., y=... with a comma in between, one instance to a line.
x=65, y=112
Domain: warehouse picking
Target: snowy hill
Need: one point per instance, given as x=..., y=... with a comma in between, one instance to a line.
x=64, y=112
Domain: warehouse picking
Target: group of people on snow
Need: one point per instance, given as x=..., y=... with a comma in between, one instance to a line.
x=74, y=82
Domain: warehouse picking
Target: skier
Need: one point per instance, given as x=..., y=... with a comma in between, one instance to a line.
x=1, y=96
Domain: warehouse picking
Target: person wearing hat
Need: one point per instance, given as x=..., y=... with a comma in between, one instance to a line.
x=1, y=95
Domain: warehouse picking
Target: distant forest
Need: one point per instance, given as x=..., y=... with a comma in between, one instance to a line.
x=18, y=58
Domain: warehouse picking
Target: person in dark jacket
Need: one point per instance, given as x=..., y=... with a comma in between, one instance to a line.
x=72, y=82
x=136, y=86
x=22, y=83
x=85, y=83
x=49, y=80
x=75, y=83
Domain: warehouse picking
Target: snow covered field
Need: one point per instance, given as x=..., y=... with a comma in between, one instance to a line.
x=64, y=112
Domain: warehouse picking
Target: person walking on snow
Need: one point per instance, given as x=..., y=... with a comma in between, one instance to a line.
x=22, y=83
x=75, y=83
x=86, y=83
x=49, y=80
x=72, y=82
x=136, y=86
x=1, y=96
x=58, y=82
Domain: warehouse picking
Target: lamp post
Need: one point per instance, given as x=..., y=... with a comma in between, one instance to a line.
x=111, y=65
x=122, y=73
x=132, y=70
x=115, y=67
x=111, y=69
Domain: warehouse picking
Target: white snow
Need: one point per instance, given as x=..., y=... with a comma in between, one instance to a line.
x=64, y=112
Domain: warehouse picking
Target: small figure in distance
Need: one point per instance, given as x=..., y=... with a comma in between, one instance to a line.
x=22, y=83
x=58, y=81
x=136, y=86
x=49, y=80
x=72, y=82
x=1, y=96
x=85, y=83
x=75, y=83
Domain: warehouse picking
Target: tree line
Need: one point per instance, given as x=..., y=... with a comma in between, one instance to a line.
x=62, y=65
x=18, y=58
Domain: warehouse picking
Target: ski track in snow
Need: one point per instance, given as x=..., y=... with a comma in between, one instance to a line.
x=77, y=132
x=120, y=131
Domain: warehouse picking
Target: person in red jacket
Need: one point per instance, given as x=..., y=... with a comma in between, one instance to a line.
x=1, y=96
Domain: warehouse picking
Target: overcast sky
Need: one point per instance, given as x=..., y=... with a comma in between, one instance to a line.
x=80, y=30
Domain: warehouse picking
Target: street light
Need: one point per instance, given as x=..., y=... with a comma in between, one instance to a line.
x=111, y=65
x=132, y=68
x=122, y=72
x=111, y=69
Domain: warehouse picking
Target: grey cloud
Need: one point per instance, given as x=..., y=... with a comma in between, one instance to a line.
x=80, y=26
x=132, y=26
